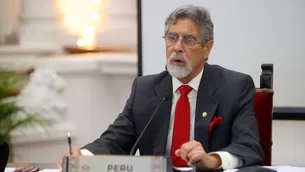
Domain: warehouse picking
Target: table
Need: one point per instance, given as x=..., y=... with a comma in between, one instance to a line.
x=43, y=166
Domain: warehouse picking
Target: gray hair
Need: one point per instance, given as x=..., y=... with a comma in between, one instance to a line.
x=198, y=14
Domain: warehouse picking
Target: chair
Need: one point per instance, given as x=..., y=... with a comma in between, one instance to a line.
x=263, y=106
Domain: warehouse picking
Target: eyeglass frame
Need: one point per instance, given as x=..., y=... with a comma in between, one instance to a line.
x=181, y=39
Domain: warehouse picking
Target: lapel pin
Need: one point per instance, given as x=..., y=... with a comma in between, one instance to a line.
x=204, y=114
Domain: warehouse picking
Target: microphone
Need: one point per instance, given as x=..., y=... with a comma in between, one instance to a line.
x=147, y=124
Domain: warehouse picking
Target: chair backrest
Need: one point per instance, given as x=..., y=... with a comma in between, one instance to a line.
x=264, y=111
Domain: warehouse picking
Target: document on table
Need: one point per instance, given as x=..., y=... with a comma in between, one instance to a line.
x=51, y=170
x=185, y=169
x=9, y=169
x=278, y=169
x=289, y=168
x=231, y=170
x=44, y=170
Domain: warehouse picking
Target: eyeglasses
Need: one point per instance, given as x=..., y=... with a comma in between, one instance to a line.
x=187, y=40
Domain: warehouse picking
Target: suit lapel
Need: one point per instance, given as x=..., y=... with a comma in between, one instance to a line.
x=207, y=103
x=162, y=118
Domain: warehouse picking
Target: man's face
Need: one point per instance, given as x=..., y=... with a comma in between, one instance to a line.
x=185, y=54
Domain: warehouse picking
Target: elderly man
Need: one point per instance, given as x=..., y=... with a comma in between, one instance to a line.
x=207, y=116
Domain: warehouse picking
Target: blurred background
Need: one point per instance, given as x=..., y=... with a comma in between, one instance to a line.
x=86, y=53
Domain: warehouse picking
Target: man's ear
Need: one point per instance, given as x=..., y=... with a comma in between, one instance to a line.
x=207, y=48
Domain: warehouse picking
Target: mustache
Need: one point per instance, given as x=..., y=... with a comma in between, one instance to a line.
x=177, y=56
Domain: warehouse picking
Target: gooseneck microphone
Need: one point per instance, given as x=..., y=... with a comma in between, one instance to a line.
x=147, y=124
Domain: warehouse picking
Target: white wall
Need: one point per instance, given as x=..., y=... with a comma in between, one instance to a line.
x=288, y=143
x=247, y=34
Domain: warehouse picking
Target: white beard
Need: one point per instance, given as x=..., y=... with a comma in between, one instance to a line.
x=178, y=71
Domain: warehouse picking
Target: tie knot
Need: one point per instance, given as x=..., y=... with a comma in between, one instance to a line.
x=184, y=89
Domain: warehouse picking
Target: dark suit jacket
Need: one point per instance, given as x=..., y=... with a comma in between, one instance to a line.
x=222, y=92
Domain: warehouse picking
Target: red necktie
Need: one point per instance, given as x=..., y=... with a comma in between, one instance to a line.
x=181, y=131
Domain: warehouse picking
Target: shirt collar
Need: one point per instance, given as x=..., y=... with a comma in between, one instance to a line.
x=194, y=83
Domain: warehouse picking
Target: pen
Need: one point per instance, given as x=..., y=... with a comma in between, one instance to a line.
x=69, y=142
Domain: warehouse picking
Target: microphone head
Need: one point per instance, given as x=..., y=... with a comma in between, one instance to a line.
x=166, y=96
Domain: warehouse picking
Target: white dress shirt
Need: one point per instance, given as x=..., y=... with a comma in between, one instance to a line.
x=228, y=161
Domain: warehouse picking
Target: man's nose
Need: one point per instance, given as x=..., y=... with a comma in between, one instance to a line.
x=178, y=46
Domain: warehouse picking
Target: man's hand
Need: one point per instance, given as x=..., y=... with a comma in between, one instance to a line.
x=194, y=153
x=75, y=152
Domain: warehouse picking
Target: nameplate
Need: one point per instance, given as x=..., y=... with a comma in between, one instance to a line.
x=116, y=163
